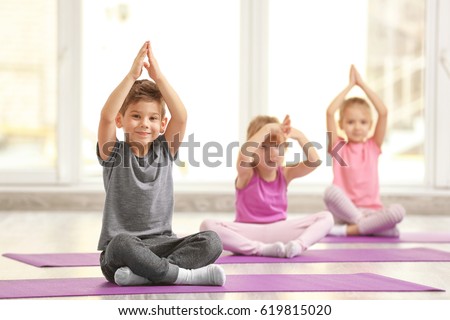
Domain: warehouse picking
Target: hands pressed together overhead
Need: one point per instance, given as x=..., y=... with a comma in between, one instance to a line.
x=355, y=78
x=151, y=65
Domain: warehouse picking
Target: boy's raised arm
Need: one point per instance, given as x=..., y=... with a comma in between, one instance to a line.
x=176, y=128
x=107, y=126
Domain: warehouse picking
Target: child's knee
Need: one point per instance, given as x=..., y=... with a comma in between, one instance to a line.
x=208, y=225
x=398, y=212
x=214, y=241
x=121, y=242
x=211, y=245
x=326, y=219
x=331, y=194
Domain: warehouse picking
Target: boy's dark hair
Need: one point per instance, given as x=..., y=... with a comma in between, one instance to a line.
x=145, y=90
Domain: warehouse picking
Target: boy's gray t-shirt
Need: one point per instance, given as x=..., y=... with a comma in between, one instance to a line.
x=139, y=192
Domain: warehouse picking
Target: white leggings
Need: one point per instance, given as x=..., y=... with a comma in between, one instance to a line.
x=247, y=238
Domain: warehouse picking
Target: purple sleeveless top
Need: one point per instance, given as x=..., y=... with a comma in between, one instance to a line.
x=261, y=201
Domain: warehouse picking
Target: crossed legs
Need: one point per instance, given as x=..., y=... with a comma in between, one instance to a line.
x=287, y=238
x=129, y=260
x=363, y=222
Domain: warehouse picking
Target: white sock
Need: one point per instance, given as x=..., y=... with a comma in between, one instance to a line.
x=276, y=249
x=125, y=277
x=211, y=275
x=338, y=230
x=293, y=249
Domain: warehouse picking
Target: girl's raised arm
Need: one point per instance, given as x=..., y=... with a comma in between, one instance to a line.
x=334, y=106
x=380, y=128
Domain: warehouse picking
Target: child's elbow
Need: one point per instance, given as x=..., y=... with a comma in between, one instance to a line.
x=383, y=113
x=182, y=118
x=313, y=164
x=331, y=113
x=106, y=117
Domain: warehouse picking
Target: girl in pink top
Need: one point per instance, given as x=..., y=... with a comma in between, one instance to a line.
x=354, y=197
x=260, y=227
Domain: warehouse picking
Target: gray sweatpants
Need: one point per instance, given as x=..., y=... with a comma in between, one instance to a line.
x=158, y=258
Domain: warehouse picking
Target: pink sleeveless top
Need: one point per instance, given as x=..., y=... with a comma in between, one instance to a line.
x=359, y=179
x=261, y=201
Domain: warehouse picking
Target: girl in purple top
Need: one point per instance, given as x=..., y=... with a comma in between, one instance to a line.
x=260, y=227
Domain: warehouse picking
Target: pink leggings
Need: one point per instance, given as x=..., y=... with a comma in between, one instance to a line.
x=246, y=238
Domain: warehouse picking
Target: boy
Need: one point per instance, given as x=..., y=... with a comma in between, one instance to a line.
x=137, y=242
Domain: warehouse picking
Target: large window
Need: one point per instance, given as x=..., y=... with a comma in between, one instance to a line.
x=311, y=50
x=28, y=87
x=228, y=60
x=197, y=47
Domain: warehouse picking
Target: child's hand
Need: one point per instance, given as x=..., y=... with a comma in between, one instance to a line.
x=138, y=63
x=274, y=129
x=352, y=77
x=279, y=129
x=286, y=126
x=289, y=131
x=152, y=65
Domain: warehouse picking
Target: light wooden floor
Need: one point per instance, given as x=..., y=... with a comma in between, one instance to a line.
x=45, y=232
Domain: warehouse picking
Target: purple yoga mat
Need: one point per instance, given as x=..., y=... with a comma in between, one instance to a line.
x=363, y=282
x=417, y=237
x=310, y=256
x=349, y=255
x=57, y=259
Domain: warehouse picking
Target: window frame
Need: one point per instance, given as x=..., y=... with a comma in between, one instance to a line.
x=253, y=93
x=437, y=95
x=69, y=91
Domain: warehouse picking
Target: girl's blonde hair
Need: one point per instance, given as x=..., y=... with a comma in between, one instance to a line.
x=258, y=122
x=351, y=102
